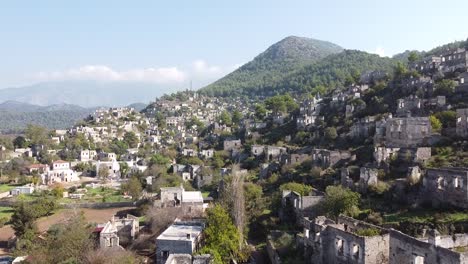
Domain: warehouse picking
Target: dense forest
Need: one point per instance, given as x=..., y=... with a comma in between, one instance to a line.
x=331, y=72
x=14, y=122
x=271, y=66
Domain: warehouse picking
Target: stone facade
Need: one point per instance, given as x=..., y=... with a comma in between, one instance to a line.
x=329, y=158
x=407, y=132
x=428, y=65
x=363, y=128
x=329, y=242
x=446, y=186
x=232, y=144
x=424, y=85
x=302, y=206
x=326, y=241
x=462, y=122
x=190, y=202
x=456, y=60
x=383, y=154
x=367, y=177
x=405, y=249
x=119, y=232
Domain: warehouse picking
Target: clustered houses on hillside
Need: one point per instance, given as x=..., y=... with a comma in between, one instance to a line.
x=353, y=136
x=399, y=144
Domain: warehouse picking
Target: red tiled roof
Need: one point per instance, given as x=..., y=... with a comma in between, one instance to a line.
x=60, y=161
x=37, y=166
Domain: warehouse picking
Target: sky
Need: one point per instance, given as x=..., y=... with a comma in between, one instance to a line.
x=175, y=42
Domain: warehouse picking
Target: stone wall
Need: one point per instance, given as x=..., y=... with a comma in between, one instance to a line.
x=407, y=132
x=446, y=186
x=405, y=249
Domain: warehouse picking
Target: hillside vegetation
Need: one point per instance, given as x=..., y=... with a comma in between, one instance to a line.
x=269, y=68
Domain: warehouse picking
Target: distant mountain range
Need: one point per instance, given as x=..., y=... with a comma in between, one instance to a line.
x=84, y=93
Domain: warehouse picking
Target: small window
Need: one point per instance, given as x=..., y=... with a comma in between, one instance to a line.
x=456, y=183
x=356, y=251
x=440, y=183
x=339, y=247
x=418, y=260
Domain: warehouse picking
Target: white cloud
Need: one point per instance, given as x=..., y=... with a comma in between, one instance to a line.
x=106, y=73
x=201, y=67
x=199, y=71
x=379, y=51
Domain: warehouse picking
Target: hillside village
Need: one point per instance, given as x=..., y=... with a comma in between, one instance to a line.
x=374, y=171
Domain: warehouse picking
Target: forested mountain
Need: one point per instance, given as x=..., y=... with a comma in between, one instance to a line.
x=269, y=68
x=300, y=64
x=15, y=116
x=334, y=71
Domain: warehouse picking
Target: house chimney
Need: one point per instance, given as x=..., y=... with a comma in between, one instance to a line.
x=189, y=236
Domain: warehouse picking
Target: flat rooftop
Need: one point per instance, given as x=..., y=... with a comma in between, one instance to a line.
x=189, y=197
x=179, y=231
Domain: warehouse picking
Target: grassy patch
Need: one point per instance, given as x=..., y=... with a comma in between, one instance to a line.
x=426, y=216
x=6, y=212
x=98, y=195
x=5, y=188
x=205, y=194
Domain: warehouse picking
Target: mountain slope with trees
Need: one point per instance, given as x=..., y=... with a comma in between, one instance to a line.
x=298, y=64
x=271, y=66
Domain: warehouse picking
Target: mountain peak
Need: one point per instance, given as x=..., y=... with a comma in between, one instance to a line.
x=302, y=48
x=276, y=62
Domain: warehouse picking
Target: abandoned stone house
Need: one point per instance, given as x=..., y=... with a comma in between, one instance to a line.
x=189, y=152
x=201, y=180
x=415, y=106
x=462, y=87
x=234, y=144
x=118, y=232
x=182, y=237
x=407, y=132
x=417, y=155
x=446, y=186
x=329, y=242
x=206, y=153
x=370, y=77
x=363, y=128
x=190, y=202
x=436, y=248
x=297, y=158
x=423, y=84
x=304, y=121
x=428, y=65
x=270, y=153
x=296, y=206
x=329, y=158
x=456, y=60
x=367, y=177
x=462, y=122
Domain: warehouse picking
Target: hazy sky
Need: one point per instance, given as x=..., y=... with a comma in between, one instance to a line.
x=173, y=42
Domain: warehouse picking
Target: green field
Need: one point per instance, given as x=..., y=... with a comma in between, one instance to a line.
x=6, y=212
x=5, y=188
x=97, y=195
x=426, y=216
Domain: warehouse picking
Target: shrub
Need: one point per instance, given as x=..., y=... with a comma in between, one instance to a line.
x=368, y=232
